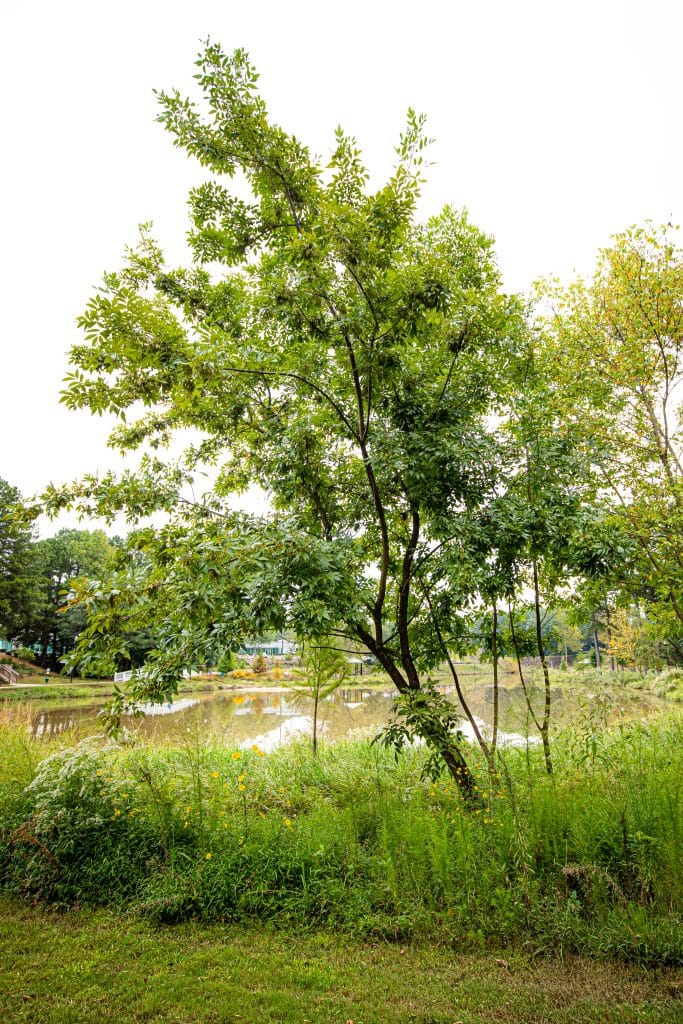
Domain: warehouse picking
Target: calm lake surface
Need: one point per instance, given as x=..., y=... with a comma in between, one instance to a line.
x=272, y=718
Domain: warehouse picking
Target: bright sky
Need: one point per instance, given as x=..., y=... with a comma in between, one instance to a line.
x=557, y=123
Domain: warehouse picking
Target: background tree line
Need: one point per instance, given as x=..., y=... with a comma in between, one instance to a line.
x=38, y=575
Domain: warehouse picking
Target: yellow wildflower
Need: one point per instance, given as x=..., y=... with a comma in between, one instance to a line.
x=236, y=756
x=215, y=775
x=287, y=822
x=241, y=787
x=207, y=856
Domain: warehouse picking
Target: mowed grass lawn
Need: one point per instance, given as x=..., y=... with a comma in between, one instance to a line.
x=85, y=966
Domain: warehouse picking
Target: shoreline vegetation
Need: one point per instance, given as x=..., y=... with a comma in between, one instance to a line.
x=356, y=842
x=666, y=685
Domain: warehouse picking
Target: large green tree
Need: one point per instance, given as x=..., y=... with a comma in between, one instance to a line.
x=323, y=343
x=59, y=563
x=19, y=570
x=617, y=346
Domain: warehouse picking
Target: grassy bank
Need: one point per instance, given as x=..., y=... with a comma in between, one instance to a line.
x=619, y=688
x=354, y=841
x=64, y=689
x=84, y=967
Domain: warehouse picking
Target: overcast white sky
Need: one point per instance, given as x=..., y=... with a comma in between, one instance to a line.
x=557, y=124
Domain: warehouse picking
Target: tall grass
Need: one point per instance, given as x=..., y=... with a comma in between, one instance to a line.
x=588, y=860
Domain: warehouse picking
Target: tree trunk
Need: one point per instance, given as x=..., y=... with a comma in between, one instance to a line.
x=530, y=707
x=494, y=652
x=457, y=767
x=315, y=722
x=612, y=662
x=596, y=644
x=545, y=724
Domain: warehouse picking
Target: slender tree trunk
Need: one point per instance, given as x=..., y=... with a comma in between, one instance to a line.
x=612, y=662
x=494, y=652
x=315, y=722
x=485, y=749
x=596, y=644
x=545, y=724
x=522, y=680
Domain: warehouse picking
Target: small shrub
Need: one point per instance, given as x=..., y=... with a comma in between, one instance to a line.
x=25, y=654
x=84, y=839
x=669, y=683
x=227, y=662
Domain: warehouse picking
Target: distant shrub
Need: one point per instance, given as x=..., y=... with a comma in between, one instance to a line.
x=227, y=662
x=25, y=654
x=669, y=683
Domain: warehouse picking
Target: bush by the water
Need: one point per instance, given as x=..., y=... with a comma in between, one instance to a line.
x=669, y=683
x=588, y=860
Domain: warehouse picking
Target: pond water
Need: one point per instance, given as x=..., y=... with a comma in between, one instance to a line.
x=270, y=718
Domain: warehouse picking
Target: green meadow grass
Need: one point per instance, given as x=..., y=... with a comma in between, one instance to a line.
x=83, y=967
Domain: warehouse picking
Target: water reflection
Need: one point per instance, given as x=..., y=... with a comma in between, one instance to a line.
x=53, y=721
x=269, y=719
x=265, y=719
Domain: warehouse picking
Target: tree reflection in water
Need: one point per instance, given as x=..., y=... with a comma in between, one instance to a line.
x=268, y=719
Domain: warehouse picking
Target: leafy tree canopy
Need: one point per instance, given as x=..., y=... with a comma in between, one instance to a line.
x=615, y=345
x=323, y=343
x=19, y=584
